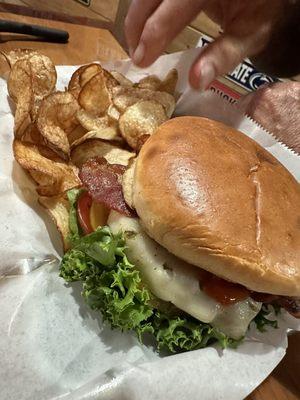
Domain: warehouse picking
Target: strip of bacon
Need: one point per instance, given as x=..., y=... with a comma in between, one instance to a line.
x=103, y=181
x=290, y=304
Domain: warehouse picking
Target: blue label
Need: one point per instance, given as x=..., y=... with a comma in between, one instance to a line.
x=245, y=74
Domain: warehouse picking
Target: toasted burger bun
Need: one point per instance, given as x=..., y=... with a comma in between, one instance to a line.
x=218, y=200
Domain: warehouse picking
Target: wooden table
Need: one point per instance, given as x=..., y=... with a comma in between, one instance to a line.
x=88, y=44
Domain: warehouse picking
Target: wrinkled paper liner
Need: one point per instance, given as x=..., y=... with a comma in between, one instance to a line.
x=53, y=347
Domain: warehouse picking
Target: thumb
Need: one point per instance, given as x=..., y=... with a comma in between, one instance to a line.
x=219, y=58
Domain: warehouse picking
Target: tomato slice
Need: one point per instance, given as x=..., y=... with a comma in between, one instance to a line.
x=84, y=204
x=98, y=215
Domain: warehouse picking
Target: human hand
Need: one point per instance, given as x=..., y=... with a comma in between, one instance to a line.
x=247, y=26
x=276, y=107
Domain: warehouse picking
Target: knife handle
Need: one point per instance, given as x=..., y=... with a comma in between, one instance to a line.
x=51, y=34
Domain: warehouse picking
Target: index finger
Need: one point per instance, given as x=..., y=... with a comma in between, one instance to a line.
x=138, y=13
x=164, y=24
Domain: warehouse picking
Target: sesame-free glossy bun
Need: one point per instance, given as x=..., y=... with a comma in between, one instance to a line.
x=218, y=200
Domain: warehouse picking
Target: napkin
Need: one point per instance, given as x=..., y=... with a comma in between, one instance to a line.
x=24, y=236
x=53, y=347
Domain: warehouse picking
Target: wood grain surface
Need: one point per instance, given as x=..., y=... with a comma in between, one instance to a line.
x=89, y=43
x=86, y=43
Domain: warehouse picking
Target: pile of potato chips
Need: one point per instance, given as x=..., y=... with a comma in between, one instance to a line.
x=101, y=113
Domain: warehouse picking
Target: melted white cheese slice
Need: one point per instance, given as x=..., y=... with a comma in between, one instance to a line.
x=173, y=280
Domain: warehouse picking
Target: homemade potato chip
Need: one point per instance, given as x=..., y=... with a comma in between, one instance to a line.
x=43, y=75
x=35, y=72
x=100, y=127
x=169, y=83
x=52, y=177
x=22, y=114
x=19, y=80
x=49, y=153
x=20, y=90
x=108, y=133
x=90, y=122
x=121, y=79
x=96, y=147
x=124, y=97
x=127, y=183
x=42, y=179
x=113, y=113
x=15, y=55
x=31, y=78
x=32, y=135
x=141, y=119
x=151, y=82
x=57, y=117
x=74, y=85
x=88, y=73
x=81, y=76
x=95, y=96
x=78, y=132
x=58, y=208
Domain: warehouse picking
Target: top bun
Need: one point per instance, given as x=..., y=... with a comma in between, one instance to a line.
x=215, y=198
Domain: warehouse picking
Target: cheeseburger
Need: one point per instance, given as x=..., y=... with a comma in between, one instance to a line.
x=201, y=237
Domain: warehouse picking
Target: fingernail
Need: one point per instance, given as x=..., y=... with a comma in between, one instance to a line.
x=207, y=75
x=139, y=53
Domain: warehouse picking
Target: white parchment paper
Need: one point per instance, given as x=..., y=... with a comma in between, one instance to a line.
x=53, y=347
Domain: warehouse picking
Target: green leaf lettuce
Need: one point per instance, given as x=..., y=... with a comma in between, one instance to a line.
x=75, y=231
